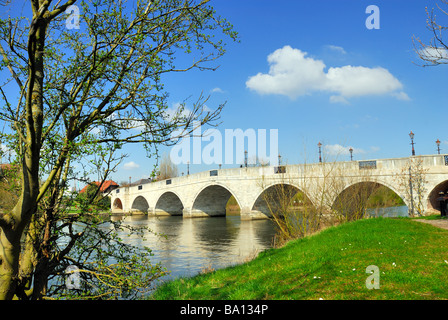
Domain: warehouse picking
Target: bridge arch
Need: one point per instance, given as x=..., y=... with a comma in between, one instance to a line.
x=352, y=201
x=117, y=205
x=169, y=203
x=281, y=196
x=140, y=204
x=212, y=200
x=434, y=194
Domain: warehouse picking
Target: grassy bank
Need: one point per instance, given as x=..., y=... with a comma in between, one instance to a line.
x=412, y=258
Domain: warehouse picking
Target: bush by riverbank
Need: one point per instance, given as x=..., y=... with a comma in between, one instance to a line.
x=412, y=259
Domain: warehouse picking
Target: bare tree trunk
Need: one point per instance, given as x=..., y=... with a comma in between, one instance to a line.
x=21, y=215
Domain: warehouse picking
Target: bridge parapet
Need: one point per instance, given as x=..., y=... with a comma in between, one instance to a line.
x=429, y=162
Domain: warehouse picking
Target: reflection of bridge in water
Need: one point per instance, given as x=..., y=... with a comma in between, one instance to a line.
x=189, y=245
x=207, y=193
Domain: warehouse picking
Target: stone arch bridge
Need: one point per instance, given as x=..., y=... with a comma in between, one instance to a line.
x=207, y=193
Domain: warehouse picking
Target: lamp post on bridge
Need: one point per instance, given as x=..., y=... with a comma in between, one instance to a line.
x=188, y=168
x=279, y=160
x=320, y=152
x=351, y=154
x=411, y=135
x=438, y=146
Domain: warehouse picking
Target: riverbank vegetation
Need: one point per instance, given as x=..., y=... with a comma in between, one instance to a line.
x=93, y=199
x=412, y=259
x=383, y=197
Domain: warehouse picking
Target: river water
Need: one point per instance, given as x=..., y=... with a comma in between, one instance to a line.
x=190, y=246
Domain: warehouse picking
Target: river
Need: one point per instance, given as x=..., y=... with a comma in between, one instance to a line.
x=190, y=246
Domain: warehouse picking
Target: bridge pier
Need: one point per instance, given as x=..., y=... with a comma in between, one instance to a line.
x=161, y=212
x=247, y=214
x=196, y=213
x=135, y=212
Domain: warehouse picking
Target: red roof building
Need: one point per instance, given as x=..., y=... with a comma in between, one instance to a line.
x=106, y=187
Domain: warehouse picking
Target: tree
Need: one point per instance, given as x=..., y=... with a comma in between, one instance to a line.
x=93, y=196
x=257, y=161
x=167, y=169
x=322, y=195
x=81, y=95
x=436, y=51
x=412, y=179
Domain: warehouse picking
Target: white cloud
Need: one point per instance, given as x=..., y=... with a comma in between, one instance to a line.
x=337, y=150
x=131, y=165
x=176, y=109
x=336, y=48
x=206, y=108
x=217, y=90
x=434, y=54
x=293, y=74
x=338, y=99
x=185, y=112
x=401, y=96
x=137, y=124
x=351, y=81
x=130, y=123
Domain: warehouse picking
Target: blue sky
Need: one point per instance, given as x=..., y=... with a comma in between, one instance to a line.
x=313, y=71
x=374, y=118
